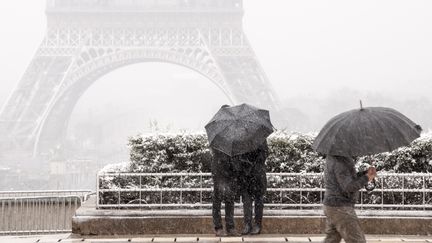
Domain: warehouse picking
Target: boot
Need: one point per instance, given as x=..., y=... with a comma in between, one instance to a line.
x=256, y=230
x=247, y=229
x=219, y=232
x=232, y=232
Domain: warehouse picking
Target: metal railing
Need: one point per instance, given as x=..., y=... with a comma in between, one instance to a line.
x=40, y=193
x=144, y=5
x=37, y=214
x=285, y=191
x=34, y=212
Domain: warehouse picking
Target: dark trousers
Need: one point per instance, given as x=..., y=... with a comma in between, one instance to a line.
x=247, y=208
x=223, y=192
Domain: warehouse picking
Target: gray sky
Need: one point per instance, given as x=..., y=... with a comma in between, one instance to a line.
x=307, y=49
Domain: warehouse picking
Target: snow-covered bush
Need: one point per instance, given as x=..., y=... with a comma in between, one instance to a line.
x=417, y=157
x=190, y=153
x=170, y=153
x=288, y=152
x=292, y=153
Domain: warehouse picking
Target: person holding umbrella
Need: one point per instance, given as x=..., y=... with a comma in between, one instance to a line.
x=358, y=132
x=225, y=187
x=253, y=186
x=234, y=131
x=342, y=187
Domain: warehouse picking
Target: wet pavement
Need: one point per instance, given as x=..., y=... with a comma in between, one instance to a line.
x=198, y=238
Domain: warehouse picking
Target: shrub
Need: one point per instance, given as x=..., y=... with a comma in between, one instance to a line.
x=163, y=153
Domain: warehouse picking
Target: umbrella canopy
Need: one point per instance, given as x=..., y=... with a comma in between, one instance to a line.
x=366, y=131
x=238, y=129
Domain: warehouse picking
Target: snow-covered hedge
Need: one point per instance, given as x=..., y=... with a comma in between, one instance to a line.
x=417, y=157
x=170, y=153
x=289, y=152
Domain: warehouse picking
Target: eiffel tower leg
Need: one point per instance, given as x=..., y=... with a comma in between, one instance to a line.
x=247, y=82
x=239, y=66
x=23, y=112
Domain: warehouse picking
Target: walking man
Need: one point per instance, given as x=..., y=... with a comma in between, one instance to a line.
x=357, y=132
x=342, y=186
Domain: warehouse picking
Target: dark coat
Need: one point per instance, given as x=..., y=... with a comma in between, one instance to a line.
x=341, y=181
x=252, y=171
x=225, y=177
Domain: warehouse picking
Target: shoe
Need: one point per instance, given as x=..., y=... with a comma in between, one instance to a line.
x=256, y=230
x=246, y=229
x=232, y=232
x=219, y=232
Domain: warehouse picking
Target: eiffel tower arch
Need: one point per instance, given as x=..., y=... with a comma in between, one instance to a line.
x=87, y=39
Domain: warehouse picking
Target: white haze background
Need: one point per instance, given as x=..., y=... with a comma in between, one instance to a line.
x=320, y=56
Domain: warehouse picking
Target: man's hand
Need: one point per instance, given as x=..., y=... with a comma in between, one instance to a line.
x=371, y=173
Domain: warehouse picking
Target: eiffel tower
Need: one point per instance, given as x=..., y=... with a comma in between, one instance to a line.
x=87, y=39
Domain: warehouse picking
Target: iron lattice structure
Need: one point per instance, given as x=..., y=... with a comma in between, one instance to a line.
x=86, y=39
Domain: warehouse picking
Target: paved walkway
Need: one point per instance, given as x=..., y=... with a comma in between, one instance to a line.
x=198, y=238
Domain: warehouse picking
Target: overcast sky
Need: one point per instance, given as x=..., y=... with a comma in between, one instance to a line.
x=307, y=48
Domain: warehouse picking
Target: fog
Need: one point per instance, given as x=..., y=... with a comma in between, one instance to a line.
x=321, y=57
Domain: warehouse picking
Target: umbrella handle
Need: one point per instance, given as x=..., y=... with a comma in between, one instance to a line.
x=371, y=186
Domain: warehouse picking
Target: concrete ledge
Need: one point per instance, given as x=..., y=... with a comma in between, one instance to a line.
x=89, y=221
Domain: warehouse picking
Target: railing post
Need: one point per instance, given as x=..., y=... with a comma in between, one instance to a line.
x=8, y=228
x=69, y=209
x=424, y=193
x=119, y=194
x=26, y=215
x=15, y=212
x=2, y=220
x=281, y=195
x=43, y=206
x=161, y=201
x=301, y=194
x=201, y=187
x=382, y=192
x=140, y=192
x=32, y=215
x=64, y=212
x=97, y=189
x=403, y=190
x=181, y=189
x=58, y=210
x=21, y=210
x=321, y=188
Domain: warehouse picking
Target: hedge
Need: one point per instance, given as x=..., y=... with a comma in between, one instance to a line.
x=288, y=152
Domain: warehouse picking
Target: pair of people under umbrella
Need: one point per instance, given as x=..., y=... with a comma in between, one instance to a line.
x=237, y=137
x=243, y=175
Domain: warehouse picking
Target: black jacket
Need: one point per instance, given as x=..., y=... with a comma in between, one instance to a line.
x=252, y=171
x=225, y=177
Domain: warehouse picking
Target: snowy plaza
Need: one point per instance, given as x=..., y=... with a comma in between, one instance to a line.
x=216, y=121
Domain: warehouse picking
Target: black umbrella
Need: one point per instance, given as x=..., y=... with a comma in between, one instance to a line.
x=238, y=129
x=366, y=131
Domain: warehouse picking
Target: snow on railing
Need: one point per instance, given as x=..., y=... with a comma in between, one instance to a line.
x=285, y=191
